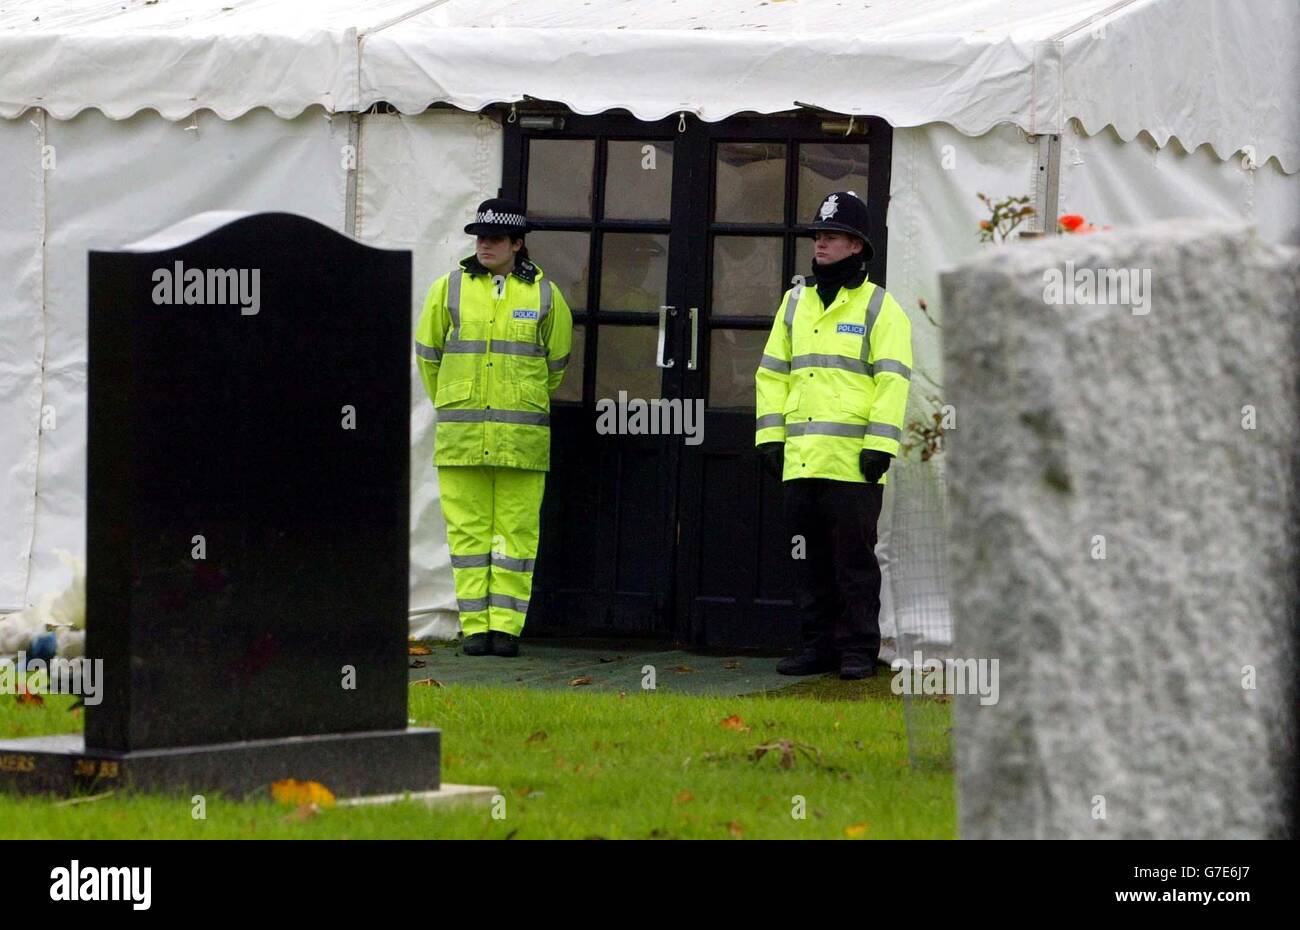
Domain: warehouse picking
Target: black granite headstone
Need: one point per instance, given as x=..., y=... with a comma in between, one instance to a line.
x=247, y=516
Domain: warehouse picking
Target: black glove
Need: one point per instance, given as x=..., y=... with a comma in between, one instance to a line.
x=874, y=464
x=773, y=457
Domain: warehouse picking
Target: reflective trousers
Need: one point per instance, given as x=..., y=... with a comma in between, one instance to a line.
x=492, y=518
x=837, y=582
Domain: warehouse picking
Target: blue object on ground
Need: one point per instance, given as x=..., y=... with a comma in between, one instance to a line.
x=43, y=647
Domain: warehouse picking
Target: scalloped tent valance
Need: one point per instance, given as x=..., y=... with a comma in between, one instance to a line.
x=1217, y=72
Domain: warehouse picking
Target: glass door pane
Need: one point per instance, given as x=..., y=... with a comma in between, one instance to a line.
x=825, y=167
x=750, y=185
x=633, y=271
x=565, y=257
x=559, y=178
x=638, y=180
x=746, y=275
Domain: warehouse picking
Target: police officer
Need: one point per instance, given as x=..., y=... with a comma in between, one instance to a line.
x=492, y=345
x=832, y=388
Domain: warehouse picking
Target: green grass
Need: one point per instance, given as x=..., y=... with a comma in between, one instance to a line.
x=580, y=764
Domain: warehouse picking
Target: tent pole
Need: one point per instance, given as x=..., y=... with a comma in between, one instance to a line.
x=350, y=197
x=1047, y=182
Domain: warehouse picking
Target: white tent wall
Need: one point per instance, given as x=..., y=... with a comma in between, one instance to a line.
x=1117, y=183
x=21, y=310
x=419, y=180
x=934, y=213
x=417, y=177
x=113, y=182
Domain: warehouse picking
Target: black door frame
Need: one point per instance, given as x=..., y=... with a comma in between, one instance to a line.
x=582, y=416
x=689, y=274
x=771, y=622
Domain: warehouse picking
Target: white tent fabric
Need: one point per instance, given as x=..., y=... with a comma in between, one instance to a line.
x=419, y=178
x=1222, y=72
x=107, y=184
x=77, y=180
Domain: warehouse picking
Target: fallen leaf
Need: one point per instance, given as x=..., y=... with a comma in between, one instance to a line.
x=418, y=649
x=537, y=737
x=787, y=749
x=733, y=723
x=856, y=831
x=606, y=659
x=684, y=797
x=681, y=669
x=736, y=830
x=27, y=697
x=731, y=663
x=580, y=680
x=416, y=663
x=299, y=793
x=303, y=812
x=428, y=681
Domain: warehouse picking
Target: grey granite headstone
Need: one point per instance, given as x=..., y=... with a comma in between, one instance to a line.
x=1124, y=533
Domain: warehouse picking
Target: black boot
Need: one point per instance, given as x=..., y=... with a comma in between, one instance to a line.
x=476, y=644
x=807, y=662
x=857, y=667
x=504, y=645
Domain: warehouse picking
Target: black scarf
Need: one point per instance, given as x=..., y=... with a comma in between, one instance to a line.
x=848, y=272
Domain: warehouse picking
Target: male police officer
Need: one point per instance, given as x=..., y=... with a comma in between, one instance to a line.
x=492, y=344
x=832, y=388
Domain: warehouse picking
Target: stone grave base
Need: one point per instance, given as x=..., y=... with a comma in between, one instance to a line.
x=445, y=795
x=388, y=762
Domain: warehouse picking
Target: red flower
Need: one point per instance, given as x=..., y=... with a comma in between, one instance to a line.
x=985, y=224
x=1071, y=221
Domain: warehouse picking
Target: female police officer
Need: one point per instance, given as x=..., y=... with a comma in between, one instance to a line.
x=491, y=345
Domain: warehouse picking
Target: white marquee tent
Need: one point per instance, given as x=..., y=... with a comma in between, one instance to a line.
x=120, y=117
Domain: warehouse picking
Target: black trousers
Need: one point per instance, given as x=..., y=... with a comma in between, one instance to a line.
x=837, y=582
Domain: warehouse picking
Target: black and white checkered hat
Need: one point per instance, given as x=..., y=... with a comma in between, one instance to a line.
x=497, y=217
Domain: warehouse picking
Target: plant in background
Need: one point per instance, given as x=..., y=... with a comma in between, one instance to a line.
x=926, y=435
x=1074, y=223
x=1004, y=217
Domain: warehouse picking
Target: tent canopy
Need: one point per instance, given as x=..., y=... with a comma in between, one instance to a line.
x=1222, y=72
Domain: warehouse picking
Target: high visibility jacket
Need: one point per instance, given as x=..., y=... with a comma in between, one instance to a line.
x=833, y=380
x=491, y=352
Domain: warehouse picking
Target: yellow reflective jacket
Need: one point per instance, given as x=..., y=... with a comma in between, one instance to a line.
x=491, y=353
x=833, y=380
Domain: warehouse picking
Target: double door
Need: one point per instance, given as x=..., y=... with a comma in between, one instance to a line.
x=673, y=242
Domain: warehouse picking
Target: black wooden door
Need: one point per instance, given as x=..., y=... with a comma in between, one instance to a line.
x=599, y=195
x=673, y=242
x=757, y=180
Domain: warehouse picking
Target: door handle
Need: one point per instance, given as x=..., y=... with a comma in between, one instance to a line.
x=692, y=364
x=663, y=338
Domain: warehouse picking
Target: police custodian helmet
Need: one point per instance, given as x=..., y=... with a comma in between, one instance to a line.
x=843, y=211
